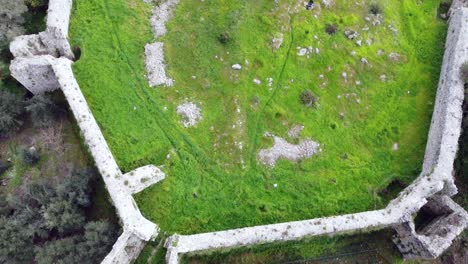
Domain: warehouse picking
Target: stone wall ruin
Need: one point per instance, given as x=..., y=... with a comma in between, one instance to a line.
x=43, y=63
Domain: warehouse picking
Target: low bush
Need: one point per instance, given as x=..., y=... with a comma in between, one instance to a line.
x=331, y=29
x=46, y=224
x=444, y=6
x=11, y=20
x=224, y=38
x=375, y=9
x=42, y=110
x=30, y=156
x=11, y=107
x=4, y=166
x=308, y=98
x=464, y=72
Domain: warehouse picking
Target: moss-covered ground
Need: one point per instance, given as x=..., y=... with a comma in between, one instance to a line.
x=212, y=183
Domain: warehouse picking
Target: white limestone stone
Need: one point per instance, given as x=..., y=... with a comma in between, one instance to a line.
x=155, y=66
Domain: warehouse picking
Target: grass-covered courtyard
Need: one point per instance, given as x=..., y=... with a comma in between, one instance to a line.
x=375, y=98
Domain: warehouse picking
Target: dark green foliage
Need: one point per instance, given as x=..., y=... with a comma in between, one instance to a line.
x=444, y=6
x=11, y=20
x=36, y=3
x=91, y=247
x=42, y=110
x=47, y=224
x=224, y=38
x=4, y=166
x=308, y=98
x=11, y=107
x=30, y=156
x=375, y=8
x=98, y=239
x=331, y=29
x=63, y=216
x=464, y=72
x=15, y=241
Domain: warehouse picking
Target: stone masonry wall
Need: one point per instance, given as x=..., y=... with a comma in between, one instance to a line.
x=43, y=63
x=436, y=178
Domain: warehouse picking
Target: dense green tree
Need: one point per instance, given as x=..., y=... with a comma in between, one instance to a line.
x=16, y=241
x=42, y=110
x=46, y=223
x=98, y=239
x=63, y=216
x=11, y=107
x=11, y=20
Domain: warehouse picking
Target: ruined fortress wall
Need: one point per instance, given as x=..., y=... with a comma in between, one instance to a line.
x=43, y=63
x=48, y=54
x=436, y=179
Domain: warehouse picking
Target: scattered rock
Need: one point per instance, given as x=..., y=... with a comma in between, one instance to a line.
x=295, y=131
x=190, y=112
x=395, y=57
x=359, y=42
x=364, y=61
x=155, y=65
x=302, y=52
x=236, y=67
x=395, y=146
x=277, y=41
x=327, y=3
x=351, y=34
x=270, y=81
x=257, y=81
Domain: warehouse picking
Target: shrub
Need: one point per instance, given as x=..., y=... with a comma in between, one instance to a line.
x=444, y=6
x=36, y=3
x=308, y=98
x=42, y=110
x=11, y=20
x=224, y=38
x=464, y=72
x=45, y=224
x=30, y=156
x=331, y=29
x=4, y=166
x=11, y=107
x=375, y=8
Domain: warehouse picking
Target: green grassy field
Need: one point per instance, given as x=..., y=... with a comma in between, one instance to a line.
x=211, y=183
